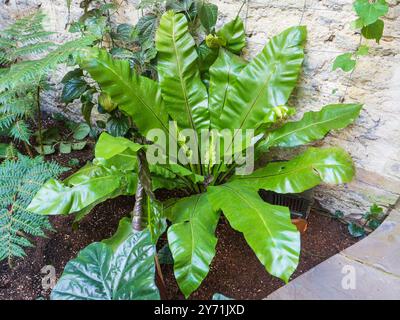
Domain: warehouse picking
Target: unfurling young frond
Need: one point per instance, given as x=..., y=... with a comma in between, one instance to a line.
x=19, y=181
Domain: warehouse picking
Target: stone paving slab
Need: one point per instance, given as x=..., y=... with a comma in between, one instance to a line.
x=324, y=282
x=381, y=249
x=370, y=269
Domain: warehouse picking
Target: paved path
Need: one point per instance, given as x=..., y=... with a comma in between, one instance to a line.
x=370, y=269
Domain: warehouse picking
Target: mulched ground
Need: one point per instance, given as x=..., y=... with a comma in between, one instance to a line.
x=235, y=271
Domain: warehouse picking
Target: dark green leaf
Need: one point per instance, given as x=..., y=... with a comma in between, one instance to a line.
x=374, y=31
x=73, y=89
x=86, y=110
x=74, y=74
x=118, y=126
x=208, y=14
x=165, y=255
x=355, y=230
x=73, y=162
x=223, y=73
x=119, y=269
x=50, y=135
x=373, y=224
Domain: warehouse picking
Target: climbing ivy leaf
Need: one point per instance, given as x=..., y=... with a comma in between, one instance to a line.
x=362, y=50
x=370, y=11
x=345, y=62
x=374, y=31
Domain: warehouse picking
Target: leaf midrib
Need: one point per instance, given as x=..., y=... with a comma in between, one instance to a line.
x=256, y=210
x=306, y=127
x=313, y=166
x=183, y=86
x=132, y=90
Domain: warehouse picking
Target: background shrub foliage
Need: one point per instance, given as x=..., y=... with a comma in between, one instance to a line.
x=176, y=65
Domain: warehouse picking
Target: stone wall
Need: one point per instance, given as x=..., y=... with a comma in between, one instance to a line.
x=373, y=141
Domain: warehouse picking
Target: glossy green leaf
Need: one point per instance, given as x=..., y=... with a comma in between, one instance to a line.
x=182, y=171
x=267, y=228
x=118, y=126
x=208, y=14
x=184, y=93
x=345, y=62
x=81, y=131
x=328, y=165
x=137, y=96
x=266, y=82
x=192, y=241
x=313, y=126
x=374, y=31
x=207, y=57
x=234, y=35
x=86, y=111
x=73, y=89
x=121, y=268
x=369, y=11
x=86, y=187
x=155, y=219
x=116, y=151
x=223, y=73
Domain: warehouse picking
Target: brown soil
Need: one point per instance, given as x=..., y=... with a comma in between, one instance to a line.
x=235, y=271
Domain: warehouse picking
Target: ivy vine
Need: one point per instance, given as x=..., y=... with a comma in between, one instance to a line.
x=371, y=26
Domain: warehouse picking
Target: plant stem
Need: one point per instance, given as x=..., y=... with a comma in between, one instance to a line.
x=28, y=149
x=137, y=213
x=39, y=111
x=162, y=286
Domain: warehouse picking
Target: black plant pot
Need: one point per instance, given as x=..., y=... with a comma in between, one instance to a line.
x=299, y=205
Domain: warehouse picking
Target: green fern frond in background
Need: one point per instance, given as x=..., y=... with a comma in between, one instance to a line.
x=19, y=181
x=23, y=38
x=21, y=80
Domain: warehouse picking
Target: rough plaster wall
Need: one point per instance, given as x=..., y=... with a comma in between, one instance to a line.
x=373, y=141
